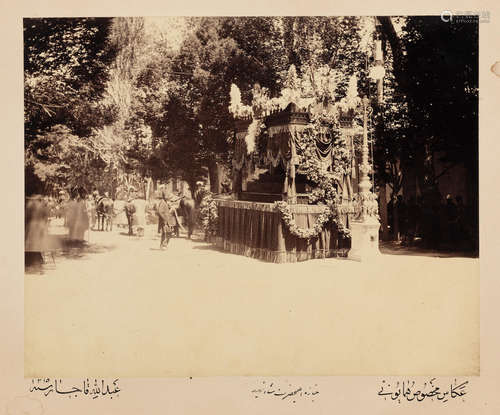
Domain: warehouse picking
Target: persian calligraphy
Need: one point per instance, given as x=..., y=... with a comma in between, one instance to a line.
x=406, y=390
x=285, y=391
x=97, y=388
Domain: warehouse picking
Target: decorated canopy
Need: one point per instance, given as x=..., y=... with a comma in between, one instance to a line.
x=313, y=142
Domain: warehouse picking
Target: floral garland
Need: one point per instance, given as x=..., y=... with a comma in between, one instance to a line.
x=338, y=210
x=288, y=219
x=326, y=169
x=323, y=218
x=208, y=214
x=311, y=165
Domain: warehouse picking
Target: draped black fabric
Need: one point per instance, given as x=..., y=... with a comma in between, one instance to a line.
x=257, y=230
x=324, y=145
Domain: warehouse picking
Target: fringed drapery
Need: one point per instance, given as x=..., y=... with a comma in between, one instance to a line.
x=281, y=145
x=240, y=150
x=257, y=230
x=281, y=148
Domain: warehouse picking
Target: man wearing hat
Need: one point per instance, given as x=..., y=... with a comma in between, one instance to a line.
x=129, y=211
x=166, y=216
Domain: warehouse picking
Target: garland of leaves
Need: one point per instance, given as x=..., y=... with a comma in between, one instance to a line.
x=323, y=218
x=326, y=180
x=209, y=215
x=311, y=165
x=326, y=174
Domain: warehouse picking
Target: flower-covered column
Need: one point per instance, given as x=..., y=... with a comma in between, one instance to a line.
x=364, y=229
x=291, y=194
x=291, y=171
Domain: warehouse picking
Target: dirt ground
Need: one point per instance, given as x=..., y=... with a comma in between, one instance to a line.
x=119, y=306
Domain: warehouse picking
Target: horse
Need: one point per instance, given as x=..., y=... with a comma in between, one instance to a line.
x=105, y=213
x=187, y=208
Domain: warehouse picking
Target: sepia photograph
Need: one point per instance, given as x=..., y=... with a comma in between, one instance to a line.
x=251, y=196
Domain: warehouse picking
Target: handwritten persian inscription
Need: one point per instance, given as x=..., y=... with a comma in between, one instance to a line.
x=95, y=388
x=409, y=391
x=285, y=391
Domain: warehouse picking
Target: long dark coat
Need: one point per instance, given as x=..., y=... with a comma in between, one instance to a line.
x=188, y=210
x=166, y=213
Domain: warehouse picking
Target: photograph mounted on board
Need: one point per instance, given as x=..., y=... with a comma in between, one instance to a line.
x=212, y=196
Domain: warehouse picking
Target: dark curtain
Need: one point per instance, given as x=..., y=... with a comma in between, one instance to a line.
x=257, y=230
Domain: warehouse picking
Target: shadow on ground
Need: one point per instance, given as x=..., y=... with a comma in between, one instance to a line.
x=207, y=247
x=386, y=248
x=59, y=246
x=395, y=248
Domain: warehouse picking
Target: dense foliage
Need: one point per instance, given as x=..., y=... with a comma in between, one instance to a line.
x=118, y=103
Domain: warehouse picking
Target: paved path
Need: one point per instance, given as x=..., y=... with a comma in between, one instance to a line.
x=123, y=307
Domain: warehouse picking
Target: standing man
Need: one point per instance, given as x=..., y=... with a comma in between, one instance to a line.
x=78, y=220
x=91, y=211
x=97, y=197
x=166, y=218
x=129, y=211
x=35, y=230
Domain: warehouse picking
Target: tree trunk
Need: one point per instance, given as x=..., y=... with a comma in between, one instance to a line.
x=391, y=35
x=213, y=173
x=148, y=187
x=395, y=220
x=383, y=212
x=288, y=26
x=423, y=168
x=192, y=187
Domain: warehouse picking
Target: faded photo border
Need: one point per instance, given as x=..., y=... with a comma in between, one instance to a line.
x=233, y=394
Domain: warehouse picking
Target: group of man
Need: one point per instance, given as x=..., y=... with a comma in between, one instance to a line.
x=168, y=222
x=441, y=225
x=81, y=212
x=166, y=209
x=135, y=212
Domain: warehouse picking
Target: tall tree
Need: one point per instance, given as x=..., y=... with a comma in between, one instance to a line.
x=66, y=63
x=436, y=69
x=65, y=73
